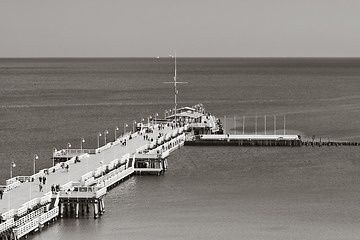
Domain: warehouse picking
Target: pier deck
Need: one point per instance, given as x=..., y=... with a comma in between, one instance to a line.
x=14, y=198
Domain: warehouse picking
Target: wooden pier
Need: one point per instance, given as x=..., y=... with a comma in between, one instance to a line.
x=78, y=183
x=83, y=185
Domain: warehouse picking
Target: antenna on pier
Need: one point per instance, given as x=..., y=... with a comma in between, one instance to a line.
x=175, y=82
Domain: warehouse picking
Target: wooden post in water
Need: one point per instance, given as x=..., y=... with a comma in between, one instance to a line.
x=61, y=210
x=265, y=124
x=96, y=209
x=235, y=124
x=274, y=124
x=255, y=125
x=82, y=209
x=77, y=210
x=243, y=125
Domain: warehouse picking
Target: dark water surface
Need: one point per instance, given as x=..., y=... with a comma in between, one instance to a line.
x=208, y=192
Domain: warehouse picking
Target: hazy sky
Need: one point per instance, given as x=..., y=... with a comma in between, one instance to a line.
x=195, y=28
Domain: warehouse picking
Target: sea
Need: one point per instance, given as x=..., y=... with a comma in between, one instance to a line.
x=208, y=192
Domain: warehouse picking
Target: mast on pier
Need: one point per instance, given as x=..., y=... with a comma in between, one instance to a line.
x=176, y=92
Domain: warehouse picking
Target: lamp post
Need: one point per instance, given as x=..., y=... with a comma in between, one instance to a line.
x=12, y=165
x=81, y=144
x=116, y=129
x=68, y=145
x=142, y=123
x=125, y=126
x=67, y=167
x=165, y=114
x=53, y=158
x=134, y=122
x=99, y=135
x=156, y=115
x=105, y=133
x=149, y=117
x=36, y=157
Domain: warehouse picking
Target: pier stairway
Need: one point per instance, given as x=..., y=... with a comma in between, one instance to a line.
x=55, y=201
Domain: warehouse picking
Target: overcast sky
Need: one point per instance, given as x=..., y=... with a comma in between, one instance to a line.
x=195, y=28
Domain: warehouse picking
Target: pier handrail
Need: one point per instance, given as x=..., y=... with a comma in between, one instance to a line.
x=100, y=192
x=23, y=220
x=86, y=176
x=32, y=203
x=9, y=214
x=7, y=225
x=11, y=180
x=12, y=186
x=46, y=198
x=49, y=215
x=89, y=181
x=25, y=229
x=66, y=186
x=120, y=175
x=21, y=211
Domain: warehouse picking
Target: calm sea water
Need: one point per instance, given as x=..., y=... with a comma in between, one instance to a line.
x=208, y=193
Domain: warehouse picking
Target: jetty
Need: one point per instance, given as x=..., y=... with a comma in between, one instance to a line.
x=80, y=179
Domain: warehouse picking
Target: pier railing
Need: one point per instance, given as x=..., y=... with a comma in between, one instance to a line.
x=100, y=192
x=12, y=186
x=25, y=229
x=45, y=217
x=7, y=225
x=73, y=152
x=9, y=214
x=23, y=220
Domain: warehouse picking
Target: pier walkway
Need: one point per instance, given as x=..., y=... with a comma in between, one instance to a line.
x=27, y=191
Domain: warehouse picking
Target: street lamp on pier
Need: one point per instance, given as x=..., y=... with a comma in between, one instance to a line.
x=134, y=122
x=149, y=117
x=36, y=157
x=156, y=115
x=125, y=126
x=105, y=133
x=81, y=144
x=142, y=123
x=53, y=158
x=116, y=129
x=12, y=165
x=99, y=135
x=67, y=150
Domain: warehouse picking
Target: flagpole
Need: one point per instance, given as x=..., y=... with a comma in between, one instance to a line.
x=243, y=125
x=265, y=124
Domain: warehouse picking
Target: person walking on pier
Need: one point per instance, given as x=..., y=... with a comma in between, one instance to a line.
x=40, y=187
x=1, y=193
x=44, y=180
x=40, y=179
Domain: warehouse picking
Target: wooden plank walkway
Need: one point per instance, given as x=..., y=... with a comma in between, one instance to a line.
x=27, y=191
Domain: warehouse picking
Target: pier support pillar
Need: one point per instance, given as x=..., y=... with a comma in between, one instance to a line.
x=102, y=206
x=82, y=209
x=87, y=208
x=61, y=210
x=77, y=210
x=96, y=209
